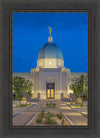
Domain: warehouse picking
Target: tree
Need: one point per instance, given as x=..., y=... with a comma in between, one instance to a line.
x=28, y=88
x=85, y=94
x=22, y=88
x=74, y=88
x=18, y=87
x=79, y=86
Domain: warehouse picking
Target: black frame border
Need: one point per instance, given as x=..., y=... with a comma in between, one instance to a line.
x=92, y=7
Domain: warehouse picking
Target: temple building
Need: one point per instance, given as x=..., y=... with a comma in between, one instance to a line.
x=50, y=78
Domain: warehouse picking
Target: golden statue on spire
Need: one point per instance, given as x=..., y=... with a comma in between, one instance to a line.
x=50, y=30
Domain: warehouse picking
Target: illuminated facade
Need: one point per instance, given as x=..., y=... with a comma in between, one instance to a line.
x=50, y=78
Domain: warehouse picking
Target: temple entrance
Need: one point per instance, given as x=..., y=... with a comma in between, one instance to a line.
x=50, y=91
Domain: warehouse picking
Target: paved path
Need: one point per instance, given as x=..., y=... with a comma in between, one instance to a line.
x=75, y=117
x=22, y=118
x=70, y=114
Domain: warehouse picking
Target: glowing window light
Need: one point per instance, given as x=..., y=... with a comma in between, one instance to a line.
x=50, y=63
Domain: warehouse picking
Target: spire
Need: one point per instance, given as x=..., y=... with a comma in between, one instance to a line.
x=50, y=37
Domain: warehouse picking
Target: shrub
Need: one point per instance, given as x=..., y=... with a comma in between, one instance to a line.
x=54, y=105
x=52, y=122
x=51, y=114
x=41, y=115
x=39, y=120
x=60, y=116
x=81, y=105
x=17, y=105
x=75, y=105
x=47, y=105
x=62, y=122
x=49, y=120
x=51, y=105
x=71, y=103
x=24, y=105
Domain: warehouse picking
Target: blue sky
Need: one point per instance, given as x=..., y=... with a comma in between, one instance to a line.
x=30, y=33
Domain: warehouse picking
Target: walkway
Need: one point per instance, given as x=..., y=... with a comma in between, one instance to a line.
x=72, y=116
